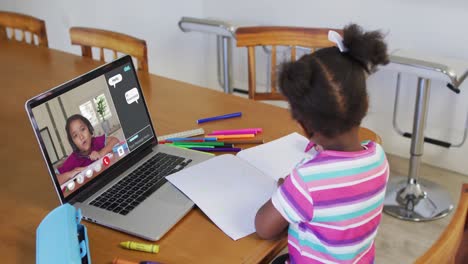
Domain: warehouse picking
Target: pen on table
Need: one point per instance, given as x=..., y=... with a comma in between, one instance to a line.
x=214, y=118
x=124, y=261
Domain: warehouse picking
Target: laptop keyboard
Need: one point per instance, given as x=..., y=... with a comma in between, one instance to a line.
x=130, y=191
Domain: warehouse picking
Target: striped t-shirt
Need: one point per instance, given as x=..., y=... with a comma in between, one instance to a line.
x=333, y=203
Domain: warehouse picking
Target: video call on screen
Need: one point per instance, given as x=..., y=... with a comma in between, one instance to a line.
x=114, y=119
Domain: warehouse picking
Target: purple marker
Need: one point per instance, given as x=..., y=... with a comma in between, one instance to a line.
x=214, y=118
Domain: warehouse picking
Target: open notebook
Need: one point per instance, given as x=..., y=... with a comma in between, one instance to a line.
x=230, y=189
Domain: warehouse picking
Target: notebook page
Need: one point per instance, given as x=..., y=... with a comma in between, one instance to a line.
x=278, y=157
x=228, y=190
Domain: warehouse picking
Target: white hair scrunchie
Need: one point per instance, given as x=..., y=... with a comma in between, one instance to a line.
x=336, y=38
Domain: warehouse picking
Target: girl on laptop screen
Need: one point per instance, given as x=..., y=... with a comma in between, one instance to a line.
x=87, y=148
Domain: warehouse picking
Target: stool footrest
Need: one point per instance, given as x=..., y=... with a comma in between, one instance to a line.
x=431, y=140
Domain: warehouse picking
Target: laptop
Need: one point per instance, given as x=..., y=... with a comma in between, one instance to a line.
x=102, y=152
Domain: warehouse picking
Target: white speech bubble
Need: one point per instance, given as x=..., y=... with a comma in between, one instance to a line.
x=115, y=80
x=132, y=95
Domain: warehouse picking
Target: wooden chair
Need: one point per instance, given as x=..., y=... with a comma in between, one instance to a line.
x=104, y=39
x=312, y=38
x=23, y=23
x=452, y=245
x=293, y=37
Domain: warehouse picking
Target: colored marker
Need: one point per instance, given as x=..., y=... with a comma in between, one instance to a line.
x=152, y=248
x=193, y=146
x=186, y=148
x=246, y=141
x=214, y=118
x=218, y=149
x=192, y=139
x=209, y=143
x=171, y=141
x=236, y=131
x=235, y=136
x=225, y=146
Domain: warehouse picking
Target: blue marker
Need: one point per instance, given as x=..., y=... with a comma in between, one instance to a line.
x=214, y=118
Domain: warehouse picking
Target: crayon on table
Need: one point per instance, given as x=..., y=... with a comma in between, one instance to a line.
x=214, y=118
x=151, y=248
x=124, y=261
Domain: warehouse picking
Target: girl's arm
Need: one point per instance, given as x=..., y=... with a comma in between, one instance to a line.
x=110, y=143
x=269, y=223
x=64, y=177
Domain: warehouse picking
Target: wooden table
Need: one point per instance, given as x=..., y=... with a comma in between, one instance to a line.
x=27, y=193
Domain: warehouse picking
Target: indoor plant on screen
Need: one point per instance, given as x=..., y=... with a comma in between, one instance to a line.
x=101, y=109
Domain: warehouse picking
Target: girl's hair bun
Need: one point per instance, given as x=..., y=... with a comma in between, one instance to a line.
x=367, y=48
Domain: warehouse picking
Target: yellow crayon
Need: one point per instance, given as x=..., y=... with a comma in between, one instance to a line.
x=152, y=248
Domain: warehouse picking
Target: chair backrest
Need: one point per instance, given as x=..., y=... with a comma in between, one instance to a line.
x=23, y=24
x=445, y=249
x=251, y=37
x=116, y=42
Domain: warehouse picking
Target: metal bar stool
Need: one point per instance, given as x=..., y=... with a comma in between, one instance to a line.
x=412, y=198
x=225, y=33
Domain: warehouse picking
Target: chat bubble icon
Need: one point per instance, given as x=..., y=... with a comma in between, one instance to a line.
x=132, y=95
x=115, y=79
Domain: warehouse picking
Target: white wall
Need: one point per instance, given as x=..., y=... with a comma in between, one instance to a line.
x=429, y=26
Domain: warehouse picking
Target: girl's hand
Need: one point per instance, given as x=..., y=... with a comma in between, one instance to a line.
x=94, y=155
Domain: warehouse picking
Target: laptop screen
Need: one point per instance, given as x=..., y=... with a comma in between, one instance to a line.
x=88, y=125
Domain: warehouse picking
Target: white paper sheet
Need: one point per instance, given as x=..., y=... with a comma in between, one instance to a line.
x=278, y=157
x=228, y=190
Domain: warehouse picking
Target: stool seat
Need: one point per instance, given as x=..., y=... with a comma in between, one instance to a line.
x=408, y=197
x=448, y=70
